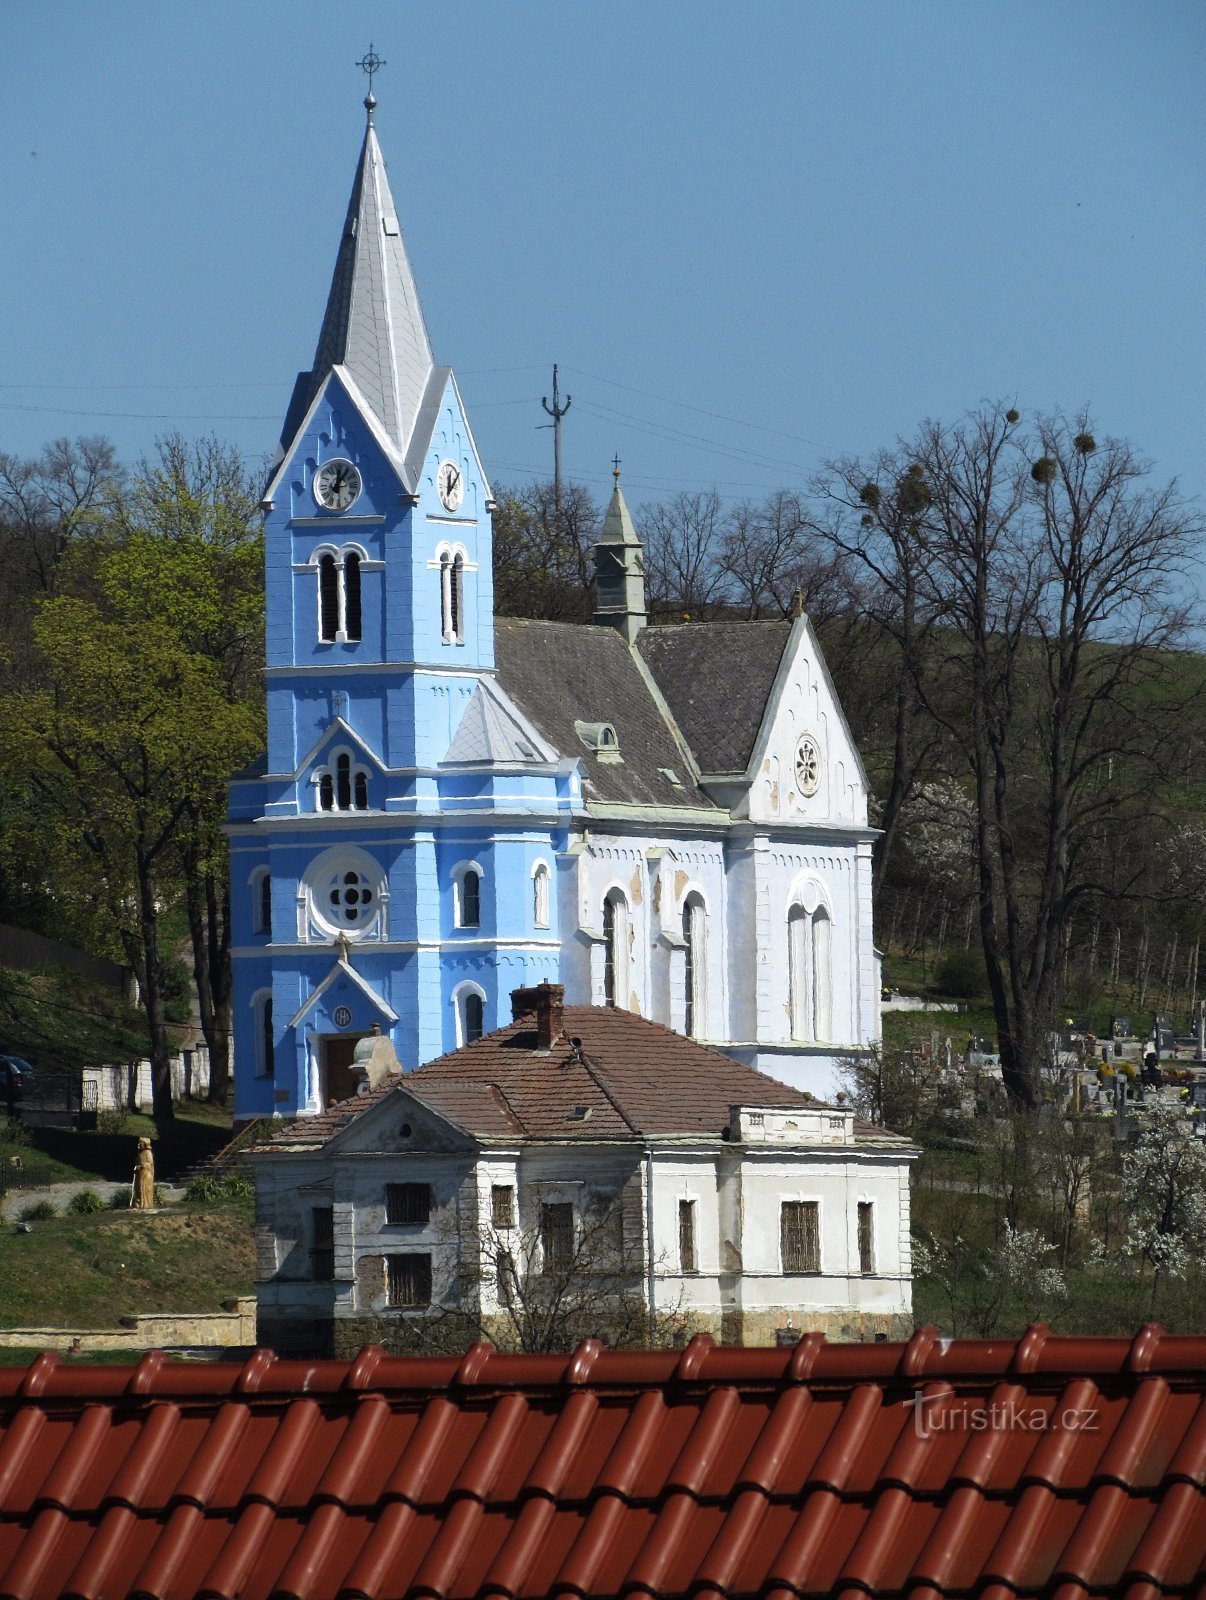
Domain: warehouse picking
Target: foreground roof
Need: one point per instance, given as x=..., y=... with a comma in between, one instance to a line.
x=626, y=1078
x=770, y=1473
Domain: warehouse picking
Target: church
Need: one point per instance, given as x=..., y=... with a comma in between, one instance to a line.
x=454, y=805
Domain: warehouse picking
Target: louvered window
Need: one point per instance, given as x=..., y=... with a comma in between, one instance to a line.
x=265, y=904
x=409, y=1280
x=351, y=595
x=407, y=1204
x=328, y=599
x=800, y=1236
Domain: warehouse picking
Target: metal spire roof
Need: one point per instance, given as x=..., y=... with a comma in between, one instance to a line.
x=617, y=524
x=374, y=324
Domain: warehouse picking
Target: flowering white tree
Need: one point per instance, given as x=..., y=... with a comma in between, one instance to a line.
x=990, y=1292
x=1164, y=1191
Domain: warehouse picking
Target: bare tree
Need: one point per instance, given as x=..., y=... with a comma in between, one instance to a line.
x=772, y=554
x=542, y=552
x=684, y=548
x=1059, y=576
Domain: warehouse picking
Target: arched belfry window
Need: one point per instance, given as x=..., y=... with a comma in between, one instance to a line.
x=695, y=966
x=452, y=565
x=342, y=784
x=339, y=609
x=615, y=948
x=810, y=979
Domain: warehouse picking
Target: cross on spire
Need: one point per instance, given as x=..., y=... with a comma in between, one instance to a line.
x=615, y=468
x=371, y=63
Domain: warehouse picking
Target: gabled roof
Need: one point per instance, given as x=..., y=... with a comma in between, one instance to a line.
x=716, y=678
x=342, y=968
x=635, y=1080
x=560, y=673
x=494, y=729
x=374, y=324
x=710, y=1472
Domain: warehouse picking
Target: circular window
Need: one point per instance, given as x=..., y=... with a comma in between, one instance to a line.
x=350, y=898
x=808, y=766
x=347, y=894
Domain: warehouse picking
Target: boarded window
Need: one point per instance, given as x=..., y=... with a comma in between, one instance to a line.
x=409, y=1279
x=322, y=1248
x=407, y=1203
x=866, y=1236
x=686, y=1235
x=800, y=1236
x=502, y=1205
x=557, y=1235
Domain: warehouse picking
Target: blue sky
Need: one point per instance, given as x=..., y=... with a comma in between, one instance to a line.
x=754, y=235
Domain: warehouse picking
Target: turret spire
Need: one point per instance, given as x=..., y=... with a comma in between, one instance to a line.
x=620, y=568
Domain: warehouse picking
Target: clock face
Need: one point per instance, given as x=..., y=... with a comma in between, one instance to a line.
x=450, y=485
x=337, y=485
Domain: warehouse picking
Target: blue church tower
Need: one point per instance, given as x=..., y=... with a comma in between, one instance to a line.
x=392, y=853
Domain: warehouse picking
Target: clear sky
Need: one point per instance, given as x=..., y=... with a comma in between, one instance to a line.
x=753, y=233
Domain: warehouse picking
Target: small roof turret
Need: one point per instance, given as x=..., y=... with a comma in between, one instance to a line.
x=620, y=568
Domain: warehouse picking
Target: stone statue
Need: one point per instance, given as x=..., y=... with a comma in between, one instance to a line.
x=142, y=1190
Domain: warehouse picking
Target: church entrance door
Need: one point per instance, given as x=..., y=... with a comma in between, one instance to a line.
x=339, y=1082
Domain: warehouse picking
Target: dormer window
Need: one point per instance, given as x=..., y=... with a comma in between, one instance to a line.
x=601, y=738
x=339, y=614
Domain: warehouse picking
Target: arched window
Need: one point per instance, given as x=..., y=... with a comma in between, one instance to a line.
x=809, y=972
x=328, y=599
x=615, y=948
x=475, y=1013
x=263, y=908
x=456, y=616
x=262, y=1040
x=342, y=784
x=269, y=1049
x=351, y=595
x=471, y=899
x=540, y=896
x=695, y=975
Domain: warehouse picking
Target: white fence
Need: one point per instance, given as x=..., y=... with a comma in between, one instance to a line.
x=127, y=1087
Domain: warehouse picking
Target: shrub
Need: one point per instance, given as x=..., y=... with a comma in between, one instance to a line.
x=85, y=1203
x=207, y=1189
x=119, y=1200
x=40, y=1211
x=110, y=1122
x=961, y=973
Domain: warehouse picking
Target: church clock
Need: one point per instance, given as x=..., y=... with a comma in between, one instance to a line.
x=450, y=485
x=337, y=485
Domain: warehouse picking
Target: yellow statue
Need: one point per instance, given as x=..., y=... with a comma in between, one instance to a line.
x=142, y=1190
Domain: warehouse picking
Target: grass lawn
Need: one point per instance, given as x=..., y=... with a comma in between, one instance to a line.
x=88, y=1271
x=64, y=1155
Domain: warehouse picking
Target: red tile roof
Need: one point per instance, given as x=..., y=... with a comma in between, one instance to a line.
x=1067, y=1468
x=634, y=1077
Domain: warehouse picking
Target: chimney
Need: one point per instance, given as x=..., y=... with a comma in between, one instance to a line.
x=547, y=1000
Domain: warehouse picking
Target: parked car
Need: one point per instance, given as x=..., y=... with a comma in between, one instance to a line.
x=16, y=1075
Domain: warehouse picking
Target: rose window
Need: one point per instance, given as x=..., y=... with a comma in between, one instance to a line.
x=350, y=899
x=808, y=766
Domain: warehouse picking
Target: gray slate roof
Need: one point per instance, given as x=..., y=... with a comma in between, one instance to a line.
x=373, y=323
x=492, y=729
x=716, y=678
x=562, y=672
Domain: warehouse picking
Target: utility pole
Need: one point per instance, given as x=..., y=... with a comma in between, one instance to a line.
x=556, y=411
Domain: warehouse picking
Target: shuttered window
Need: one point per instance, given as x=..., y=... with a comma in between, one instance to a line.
x=866, y=1236
x=407, y=1203
x=800, y=1236
x=557, y=1235
x=502, y=1205
x=409, y=1280
x=686, y=1235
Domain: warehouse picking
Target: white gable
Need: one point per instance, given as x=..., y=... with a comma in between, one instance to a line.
x=805, y=766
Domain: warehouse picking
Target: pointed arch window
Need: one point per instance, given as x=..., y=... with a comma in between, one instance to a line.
x=695, y=973
x=339, y=607
x=615, y=948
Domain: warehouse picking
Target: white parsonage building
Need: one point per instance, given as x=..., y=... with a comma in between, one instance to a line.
x=718, y=1191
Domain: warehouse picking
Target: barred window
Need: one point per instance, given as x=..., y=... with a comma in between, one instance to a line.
x=557, y=1235
x=800, y=1236
x=407, y=1203
x=322, y=1247
x=409, y=1280
x=502, y=1205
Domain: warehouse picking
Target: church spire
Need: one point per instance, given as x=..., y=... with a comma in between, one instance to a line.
x=373, y=324
x=620, y=568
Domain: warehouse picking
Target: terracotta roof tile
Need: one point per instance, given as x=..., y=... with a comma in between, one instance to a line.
x=705, y=1473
